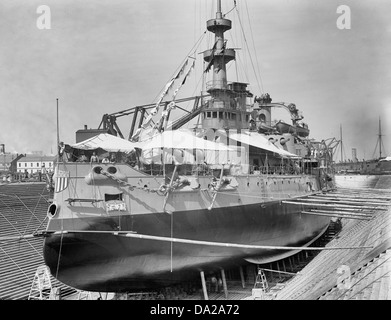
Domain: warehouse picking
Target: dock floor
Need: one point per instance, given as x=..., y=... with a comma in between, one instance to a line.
x=359, y=274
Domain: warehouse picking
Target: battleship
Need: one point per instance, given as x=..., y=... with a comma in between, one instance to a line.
x=173, y=202
x=372, y=173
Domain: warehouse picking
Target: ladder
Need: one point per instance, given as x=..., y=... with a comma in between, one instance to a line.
x=260, y=286
x=42, y=289
x=261, y=280
x=84, y=295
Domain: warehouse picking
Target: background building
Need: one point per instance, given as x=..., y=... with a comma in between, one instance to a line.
x=33, y=163
x=8, y=160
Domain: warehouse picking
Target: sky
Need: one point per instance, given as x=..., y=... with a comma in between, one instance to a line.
x=101, y=57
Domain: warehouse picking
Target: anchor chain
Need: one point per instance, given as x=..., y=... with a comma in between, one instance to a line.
x=131, y=187
x=161, y=191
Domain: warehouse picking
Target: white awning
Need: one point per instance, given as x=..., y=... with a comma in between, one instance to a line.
x=180, y=139
x=106, y=142
x=181, y=147
x=257, y=140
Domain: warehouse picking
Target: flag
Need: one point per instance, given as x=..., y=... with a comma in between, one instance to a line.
x=62, y=180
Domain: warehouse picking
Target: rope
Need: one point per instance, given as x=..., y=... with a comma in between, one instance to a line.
x=245, y=40
x=20, y=269
x=32, y=212
x=231, y=9
x=21, y=235
x=59, y=255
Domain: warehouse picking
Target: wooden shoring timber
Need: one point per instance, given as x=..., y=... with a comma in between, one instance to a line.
x=346, y=216
x=361, y=196
x=333, y=205
x=283, y=272
x=351, y=200
x=364, y=194
x=345, y=212
x=346, y=202
x=364, y=190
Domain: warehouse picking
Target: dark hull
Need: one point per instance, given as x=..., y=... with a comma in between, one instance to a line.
x=112, y=263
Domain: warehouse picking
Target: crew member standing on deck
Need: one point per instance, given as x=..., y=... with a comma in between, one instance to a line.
x=61, y=151
x=94, y=158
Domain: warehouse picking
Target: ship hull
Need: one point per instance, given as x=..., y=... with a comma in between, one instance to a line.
x=362, y=181
x=96, y=259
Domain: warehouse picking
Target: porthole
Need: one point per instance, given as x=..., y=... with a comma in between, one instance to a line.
x=52, y=210
x=112, y=170
x=97, y=170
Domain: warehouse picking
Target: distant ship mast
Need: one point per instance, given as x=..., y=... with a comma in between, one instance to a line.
x=379, y=141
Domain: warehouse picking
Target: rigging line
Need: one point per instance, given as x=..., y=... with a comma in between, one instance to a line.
x=256, y=56
x=22, y=237
x=10, y=223
x=15, y=263
x=59, y=252
x=231, y=9
x=245, y=41
x=34, y=232
x=179, y=117
x=32, y=212
x=195, y=47
x=172, y=235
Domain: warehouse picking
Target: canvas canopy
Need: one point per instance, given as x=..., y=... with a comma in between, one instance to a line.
x=182, y=147
x=257, y=140
x=106, y=142
x=180, y=139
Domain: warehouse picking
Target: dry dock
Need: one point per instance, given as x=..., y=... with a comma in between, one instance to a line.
x=360, y=273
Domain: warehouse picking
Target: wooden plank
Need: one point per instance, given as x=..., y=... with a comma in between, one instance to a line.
x=334, y=215
x=204, y=285
x=349, y=200
x=344, y=212
x=332, y=205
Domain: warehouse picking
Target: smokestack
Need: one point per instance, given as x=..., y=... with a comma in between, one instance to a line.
x=85, y=127
x=2, y=148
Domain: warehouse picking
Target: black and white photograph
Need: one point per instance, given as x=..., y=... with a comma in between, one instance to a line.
x=201, y=156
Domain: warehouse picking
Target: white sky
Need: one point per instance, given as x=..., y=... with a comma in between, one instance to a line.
x=105, y=56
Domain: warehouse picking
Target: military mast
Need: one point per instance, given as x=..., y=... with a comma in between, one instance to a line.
x=227, y=107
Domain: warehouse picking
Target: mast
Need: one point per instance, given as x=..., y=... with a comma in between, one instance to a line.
x=58, y=128
x=340, y=128
x=380, y=141
x=219, y=56
x=227, y=106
